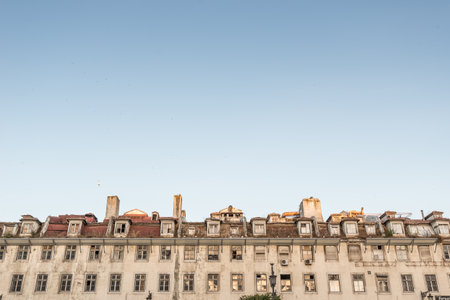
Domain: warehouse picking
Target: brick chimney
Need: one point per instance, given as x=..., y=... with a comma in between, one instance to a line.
x=112, y=207
x=177, y=206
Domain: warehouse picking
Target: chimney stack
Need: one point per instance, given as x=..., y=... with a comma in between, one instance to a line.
x=311, y=207
x=112, y=207
x=177, y=206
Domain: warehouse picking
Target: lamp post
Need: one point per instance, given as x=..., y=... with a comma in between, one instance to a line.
x=426, y=295
x=149, y=297
x=273, y=282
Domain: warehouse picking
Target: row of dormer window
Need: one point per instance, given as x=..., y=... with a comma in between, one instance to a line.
x=350, y=228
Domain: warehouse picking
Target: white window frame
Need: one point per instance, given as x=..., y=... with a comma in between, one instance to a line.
x=304, y=228
x=352, y=224
x=259, y=225
x=213, y=228
x=167, y=228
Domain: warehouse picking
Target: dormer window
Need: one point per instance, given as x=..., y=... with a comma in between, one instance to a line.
x=191, y=231
x=334, y=230
x=259, y=228
x=121, y=228
x=167, y=228
x=424, y=230
x=234, y=230
x=155, y=216
x=26, y=229
x=304, y=228
x=74, y=228
x=441, y=229
x=397, y=228
x=351, y=228
x=370, y=229
x=213, y=227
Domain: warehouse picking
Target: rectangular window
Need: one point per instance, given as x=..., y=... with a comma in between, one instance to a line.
x=260, y=252
x=189, y=253
x=305, y=228
x=213, y=282
x=26, y=228
x=46, y=253
x=354, y=253
x=139, y=282
x=310, y=283
x=407, y=283
x=41, y=283
x=397, y=228
x=66, y=283
x=164, y=282
x=443, y=229
x=89, y=283
x=236, y=252
x=334, y=230
x=259, y=228
x=261, y=282
x=331, y=253
x=188, y=282
x=213, y=252
x=424, y=230
x=166, y=252
x=371, y=230
x=351, y=228
x=141, y=252
x=358, y=283
x=74, y=228
x=382, y=283
x=237, y=282
x=285, y=280
x=334, y=285
x=16, y=283
x=446, y=250
x=425, y=253
x=120, y=228
x=2, y=252
x=402, y=252
x=118, y=253
x=307, y=253
x=378, y=253
x=70, y=252
x=284, y=252
x=94, y=252
x=114, y=282
x=213, y=228
x=432, y=285
x=166, y=228
x=22, y=252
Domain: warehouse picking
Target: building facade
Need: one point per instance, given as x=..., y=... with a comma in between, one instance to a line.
x=351, y=255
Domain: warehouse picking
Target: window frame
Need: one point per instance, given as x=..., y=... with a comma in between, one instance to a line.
x=17, y=279
x=327, y=253
x=313, y=280
x=407, y=283
x=65, y=283
x=210, y=225
x=141, y=253
x=115, y=283
x=46, y=252
x=378, y=280
x=363, y=280
x=335, y=275
x=216, y=281
x=290, y=283
x=257, y=280
x=190, y=279
x=304, y=225
x=234, y=254
x=351, y=255
x=41, y=283
x=140, y=283
x=240, y=282
x=90, y=283
x=23, y=252
x=165, y=253
x=428, y=285
x=94, y=252
x=210, y=256
x=70, y=252
x=405, y=252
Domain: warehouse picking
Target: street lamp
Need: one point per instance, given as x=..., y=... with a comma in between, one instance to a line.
x=149, y=297
x=426, y=295
x=273, y=282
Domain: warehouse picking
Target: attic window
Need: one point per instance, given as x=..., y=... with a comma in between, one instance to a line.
x=259, y=228
x=74, y=228
x=305, y=228
x=121, y=228
x=27, y=228
x=234, y=230
x=334, y=229
x=167, y=228
x=154, y=217
x=351, y=228
x=191, y=231
x=397, y=228
x=213, y=228
x=370, y=229
x=442, y=229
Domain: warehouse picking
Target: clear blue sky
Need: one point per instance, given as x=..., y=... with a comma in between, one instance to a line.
x=257, y=104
